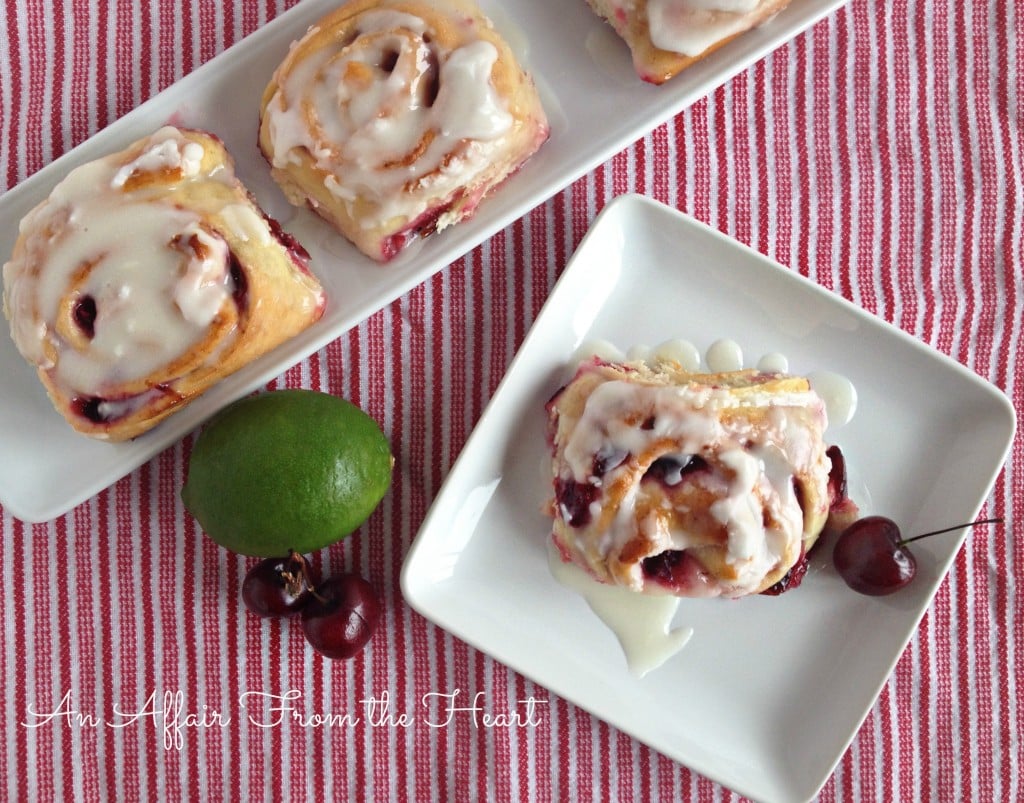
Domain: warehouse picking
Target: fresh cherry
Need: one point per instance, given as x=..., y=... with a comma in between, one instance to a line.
x=872, y=557
x=342, y=616
x=278, y=587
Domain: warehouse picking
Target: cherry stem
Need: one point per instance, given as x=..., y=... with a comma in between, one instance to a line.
x=295, y=557
x=948, y=530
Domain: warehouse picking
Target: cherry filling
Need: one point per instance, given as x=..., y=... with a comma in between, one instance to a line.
x=431, y=81
x=85, y=315
x=101, y=410
x=670, y=471
x=423, y=226
x=574, y=500
x=798, y=493
x=837, y=497
x=836, y=476
x=299, y=255
x=678, y=571
x=660, y=567
x=240, y=293
x=790, y=579
x=388, y=60
x=88, y=408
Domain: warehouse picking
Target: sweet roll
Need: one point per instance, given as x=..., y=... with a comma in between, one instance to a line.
x=392, y=119
x=667, y=36
x=688, y=484
x=145, y=277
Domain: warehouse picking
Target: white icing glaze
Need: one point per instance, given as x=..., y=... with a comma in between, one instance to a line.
x=773, y=363
x=724, y=355
x=836, y=390
x=680, y=351
x=597, y=348
x=376, y=132
x=246, y=223
x=157, y=277
x=167, y=153
x=839, y=394
x=204, y=285
x=690, y=27
x=641, y=623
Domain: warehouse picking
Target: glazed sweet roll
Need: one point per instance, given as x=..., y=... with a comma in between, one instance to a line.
x=392, y=119
x=667, y=36
x=689, y=484
x=145, y=277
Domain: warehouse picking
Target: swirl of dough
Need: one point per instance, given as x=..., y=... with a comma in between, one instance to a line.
x=142, y=279
x=393, y=119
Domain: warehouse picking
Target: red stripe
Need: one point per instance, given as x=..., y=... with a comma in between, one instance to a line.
x=89, y=636
x=104, y=16
x=417, y=457
x=13, y=175
x=944, y=753
x=565, y=751
x=155, y=668
x=106, y=645
x=520, y=311
x=495, y=307
x=803, y=224
x=924, y=714
x=874, y=142
x=166, y=72
x=734, y=158
x=398, y=610
x=38, y=69
x=905, y=715
x=660, y=164
x=758, y=177
x=56, y=126
x=974, y=585
x=444, y=302
x=125, y=56
x=910, y=241
x=22, y=699
x=81, y=82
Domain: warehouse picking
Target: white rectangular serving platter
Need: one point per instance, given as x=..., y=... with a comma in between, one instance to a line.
x=768, y=693
x=596, y=105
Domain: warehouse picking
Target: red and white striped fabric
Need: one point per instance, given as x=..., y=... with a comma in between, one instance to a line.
x=880, y=154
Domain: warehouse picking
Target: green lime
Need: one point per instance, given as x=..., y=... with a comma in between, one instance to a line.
x=287, y=469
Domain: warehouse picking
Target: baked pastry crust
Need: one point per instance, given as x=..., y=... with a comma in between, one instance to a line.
x=146, y=277
x=689, y=484
x=667, y=36
x=392, y=119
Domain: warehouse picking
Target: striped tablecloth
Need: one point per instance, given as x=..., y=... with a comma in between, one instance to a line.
x=880, y=154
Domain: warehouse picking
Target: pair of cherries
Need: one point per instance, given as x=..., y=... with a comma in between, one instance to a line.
x=339, y=615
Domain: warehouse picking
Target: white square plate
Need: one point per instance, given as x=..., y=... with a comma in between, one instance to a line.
x=582, y=71
x=768, y=693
